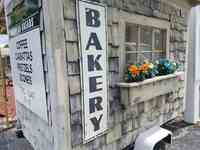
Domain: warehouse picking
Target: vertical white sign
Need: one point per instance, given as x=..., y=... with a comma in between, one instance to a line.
x=27, y=72
x=93, y=50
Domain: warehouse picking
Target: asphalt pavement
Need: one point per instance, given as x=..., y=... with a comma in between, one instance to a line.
x=9, y=141
x=186, y=139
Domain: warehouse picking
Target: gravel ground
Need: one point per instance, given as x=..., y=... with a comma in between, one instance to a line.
x=9, y=141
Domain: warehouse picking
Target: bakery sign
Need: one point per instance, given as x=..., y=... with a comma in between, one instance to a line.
x=93, y=50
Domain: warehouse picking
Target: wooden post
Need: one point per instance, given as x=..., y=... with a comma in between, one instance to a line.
x=192, y=104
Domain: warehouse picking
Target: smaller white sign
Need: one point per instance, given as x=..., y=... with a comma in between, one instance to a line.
x=27, y=71
x=93, y=50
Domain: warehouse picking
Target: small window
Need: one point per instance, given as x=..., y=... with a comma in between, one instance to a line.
x=144, y=43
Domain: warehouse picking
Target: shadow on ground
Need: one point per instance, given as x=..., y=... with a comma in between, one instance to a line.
x=9, y=141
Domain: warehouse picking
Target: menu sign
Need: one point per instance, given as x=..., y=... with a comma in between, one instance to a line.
x=27, y=72
x=23, y=19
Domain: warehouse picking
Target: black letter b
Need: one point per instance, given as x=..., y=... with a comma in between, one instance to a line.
x=92, y=18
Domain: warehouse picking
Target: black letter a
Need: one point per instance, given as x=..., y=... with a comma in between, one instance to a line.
x=93, y=41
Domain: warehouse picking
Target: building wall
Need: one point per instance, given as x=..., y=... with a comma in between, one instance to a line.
x=118, y=137
x=62, y=75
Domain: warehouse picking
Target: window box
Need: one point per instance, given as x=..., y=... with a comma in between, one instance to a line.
x=137, y=92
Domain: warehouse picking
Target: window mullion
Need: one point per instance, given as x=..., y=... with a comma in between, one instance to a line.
x=153, y=43
x=138, y=43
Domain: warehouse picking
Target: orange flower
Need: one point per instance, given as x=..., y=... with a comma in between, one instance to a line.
x=133, y=69
x=144, y=67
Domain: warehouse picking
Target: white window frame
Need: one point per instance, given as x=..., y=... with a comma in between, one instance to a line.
x=140, y=20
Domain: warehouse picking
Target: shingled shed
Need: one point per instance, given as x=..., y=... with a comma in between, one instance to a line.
x=69, y=59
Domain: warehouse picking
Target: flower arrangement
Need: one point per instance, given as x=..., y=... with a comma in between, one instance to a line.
x=165, y=67
x=140, y=72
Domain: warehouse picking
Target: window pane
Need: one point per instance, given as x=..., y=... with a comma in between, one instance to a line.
x=159, y=40
x=147, y=56
x=131, y=58
x=131, y=33
x=145, y=44
x=146, y=36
